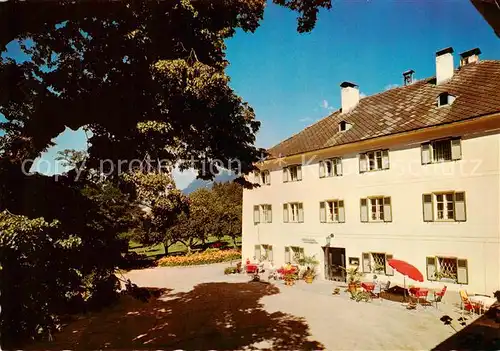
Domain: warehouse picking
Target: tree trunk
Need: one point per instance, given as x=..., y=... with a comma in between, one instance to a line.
x=165, y=247
x=235, y=245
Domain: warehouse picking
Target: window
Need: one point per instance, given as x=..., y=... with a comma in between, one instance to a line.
x=257, y=253
x=263, y=252
x=374, y=161
x=343, y=126
x=442, y=268
x=293, y=254
x=377, y=263
x=441, y=151
x=293, y=212
x=445, y=99
x=332, y=211
x=376, y=209
x=330, y=168
x=262, y=214
x=262, y=177
x=353, y=261
x=267, y=254
x=292, y=173
x=444, y=206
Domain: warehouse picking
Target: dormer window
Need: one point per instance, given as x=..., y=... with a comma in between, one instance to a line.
x=343, y=126
x=445, y=99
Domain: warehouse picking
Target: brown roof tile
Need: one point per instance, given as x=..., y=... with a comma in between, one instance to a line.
x=476, y=88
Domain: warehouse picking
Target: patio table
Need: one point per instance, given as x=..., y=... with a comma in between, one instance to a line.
x=484, y=301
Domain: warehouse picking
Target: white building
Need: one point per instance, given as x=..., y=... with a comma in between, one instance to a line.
x=411, y=173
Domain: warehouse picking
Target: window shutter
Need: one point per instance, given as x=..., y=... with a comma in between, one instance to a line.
x=285, y=175
x=366, y=262
x=427, y=207
x=256, y=214
x=385, y=159
x=321, y=169
x=388, y=269
x=268, y=178
x=338, y=167
x=387, y=209
x=362, y=163
x=257, y=252
x=462, y=272
x=269, y=214
x=269, y=253
x=299, y=172
x=322, y=212
x=426, y=153
x=285, y=213
x=341, y=211
x=363, y=210
x=287, y=255
x=456, y=149
x=431, y=268
x=460, y=214
x=301, y=213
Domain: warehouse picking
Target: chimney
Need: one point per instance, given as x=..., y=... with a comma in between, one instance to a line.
x=349, y=95
x=444, y=65
x=470, y=56
x=408, y=77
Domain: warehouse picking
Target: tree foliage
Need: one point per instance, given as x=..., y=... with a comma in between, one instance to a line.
x=213, y=212
x=147, y=80
x=160, y=204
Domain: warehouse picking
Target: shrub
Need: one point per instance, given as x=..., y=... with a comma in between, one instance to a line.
x=197, y=258
x=230, y=270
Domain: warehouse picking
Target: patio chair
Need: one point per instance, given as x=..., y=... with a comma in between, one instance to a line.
x=252, y=268
x=438, y=296
x=468, y=305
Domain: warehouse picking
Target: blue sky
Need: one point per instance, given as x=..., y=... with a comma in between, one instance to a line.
x=292, y=80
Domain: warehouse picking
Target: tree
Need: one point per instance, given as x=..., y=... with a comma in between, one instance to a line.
x=228, y=209
x=161, y=204
x=147, y=80
x=71, y=158
x=213, y=212
x=194, y=226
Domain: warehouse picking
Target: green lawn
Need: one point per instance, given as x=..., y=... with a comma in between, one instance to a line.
x=159, y=250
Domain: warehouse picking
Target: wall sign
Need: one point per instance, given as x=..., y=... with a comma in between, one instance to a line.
x=309, y=241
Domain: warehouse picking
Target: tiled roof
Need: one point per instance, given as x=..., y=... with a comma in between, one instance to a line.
x=476, y=87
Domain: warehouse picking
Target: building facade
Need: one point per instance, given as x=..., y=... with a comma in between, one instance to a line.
x=412, y=173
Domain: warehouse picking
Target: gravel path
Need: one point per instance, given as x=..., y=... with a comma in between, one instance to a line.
x=200, y=308
x=334, y=321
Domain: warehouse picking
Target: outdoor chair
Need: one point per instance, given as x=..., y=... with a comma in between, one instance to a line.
x=438, y=296
x=252, y=268
x=468, y=305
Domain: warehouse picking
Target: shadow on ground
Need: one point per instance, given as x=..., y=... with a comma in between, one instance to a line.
x=482, y=334
x=211, y=316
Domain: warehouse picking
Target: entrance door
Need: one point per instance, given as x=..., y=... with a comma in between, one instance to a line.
x=335, y=263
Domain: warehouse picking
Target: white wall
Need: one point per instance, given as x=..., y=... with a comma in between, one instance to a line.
x=407, y=237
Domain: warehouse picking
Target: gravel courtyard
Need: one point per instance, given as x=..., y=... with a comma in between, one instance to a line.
x=335, y=322
x=201, y=308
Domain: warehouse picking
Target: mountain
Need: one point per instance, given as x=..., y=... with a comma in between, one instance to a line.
x=223, y=177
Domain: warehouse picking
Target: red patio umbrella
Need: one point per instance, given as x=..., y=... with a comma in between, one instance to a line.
x=407, y=270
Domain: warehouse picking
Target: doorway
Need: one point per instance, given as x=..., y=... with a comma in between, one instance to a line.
x=335, y=264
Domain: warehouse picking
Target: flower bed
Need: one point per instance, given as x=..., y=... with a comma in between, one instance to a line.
x=205, y=257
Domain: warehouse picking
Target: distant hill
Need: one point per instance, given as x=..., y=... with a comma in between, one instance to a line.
x=200, y=183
